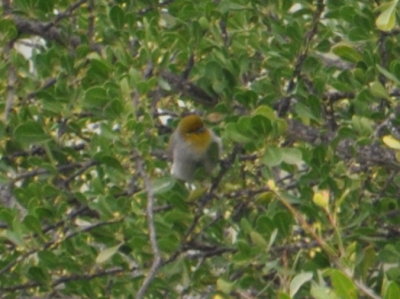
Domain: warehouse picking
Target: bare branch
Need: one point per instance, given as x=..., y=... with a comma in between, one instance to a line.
x=68, y=278
x=67, y=13
x=62, y=168
x=151, y=227
x=331, y=253
x=11, y=81
x=41, y=29
x=284, y=104
x=40, y=151
x=85, y=166
x=47, y=84
x=188, y=238
x=189, y=89
x=56, y=242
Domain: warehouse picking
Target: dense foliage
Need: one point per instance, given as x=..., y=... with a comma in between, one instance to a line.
x=305, y=95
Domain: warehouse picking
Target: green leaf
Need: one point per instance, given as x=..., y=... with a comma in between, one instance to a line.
x=8, y=30
x=164, y=84
x=367, y=261
x=228, y=5
x=292, y=156
x=13, y=237
x=322, y=292
x=281, y=295
x=342, y=285
x=109, y=161
x=48, y=259
x=233, y=133
x=46, y=5
x=387, y=18
x=388, y=74
x=117, y=16
x=283, y=221
x=224, y=286
x=107, y=253
x=258, y=240
x=244, y=126
x=346, y=52
x=114, y=109
x=99, y=70
x=378, y=90
x=38, y=274
x=266, y=111
x=273, y=156
x=362, y=125
x=32, y=223
x=304, y=111
x=163, y=185
x=96, y=97
x=392, y=291
x=30, y=132
x=261, y=125
x=298, y=281
x=389, y=254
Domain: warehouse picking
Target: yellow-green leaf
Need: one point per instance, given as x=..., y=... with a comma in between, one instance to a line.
x=346, y=52
x=321, y=198
x=387, y=18
x=299, y=280
x=388, y=74
x=107, y=253
x=391, y=142
x=378, y=90
x=342, y=284
x=258, y=240
x=224, y=286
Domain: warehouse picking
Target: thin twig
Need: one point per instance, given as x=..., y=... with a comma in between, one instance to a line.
x=188, y=237
x=284, y=104
x=152, y=230
x=85, y=166
x=42, y=171
x=47, y=84
x=332, y=255
x=65, y=279
x=57, y=242
x=189, y=89
x=11, y=81
x=67, y=13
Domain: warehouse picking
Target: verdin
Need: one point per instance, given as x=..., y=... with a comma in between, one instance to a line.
x=194, y=149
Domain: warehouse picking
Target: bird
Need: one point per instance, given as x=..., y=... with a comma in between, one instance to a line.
x=194, y=149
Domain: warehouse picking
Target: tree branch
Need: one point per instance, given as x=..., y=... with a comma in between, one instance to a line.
x=67, y=13
x=56, y=242
x=189, y=89
x=331, y=253
x=65, y=279
x=151, y=227
x=62, y=168
x=11, y=81
x=284, y=104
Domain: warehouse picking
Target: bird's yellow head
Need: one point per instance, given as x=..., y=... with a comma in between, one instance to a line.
x=192, y=130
